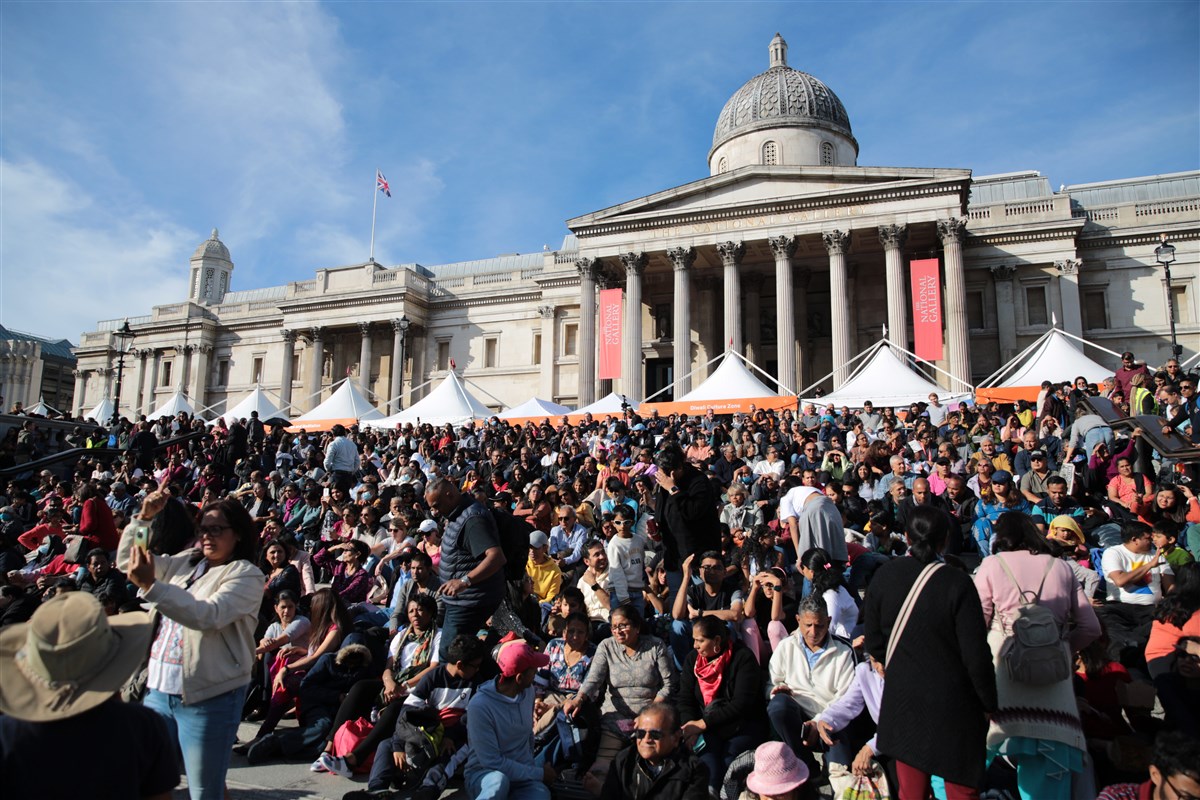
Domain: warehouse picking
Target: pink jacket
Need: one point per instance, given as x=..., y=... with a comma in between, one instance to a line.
x=1062, y=593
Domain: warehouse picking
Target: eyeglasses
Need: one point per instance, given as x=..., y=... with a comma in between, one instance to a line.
x=711, y=567
x=622, y=522
x=1179, y=794
x=213, y=531
x=623, y=626
x=656, y=735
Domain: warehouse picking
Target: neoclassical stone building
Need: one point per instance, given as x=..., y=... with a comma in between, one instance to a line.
x=788, y=251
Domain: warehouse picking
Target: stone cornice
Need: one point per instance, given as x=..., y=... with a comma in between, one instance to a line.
x=489, y=300
x=1033, y=232
x=1095, y=239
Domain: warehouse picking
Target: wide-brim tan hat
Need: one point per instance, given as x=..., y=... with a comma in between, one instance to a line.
x=69, y=658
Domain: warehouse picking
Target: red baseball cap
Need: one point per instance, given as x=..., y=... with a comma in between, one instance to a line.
x=517, y=656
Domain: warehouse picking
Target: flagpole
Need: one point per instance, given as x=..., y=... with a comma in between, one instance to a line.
x=374, y=205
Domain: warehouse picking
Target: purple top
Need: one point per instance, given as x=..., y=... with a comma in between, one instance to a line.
x=866, y=690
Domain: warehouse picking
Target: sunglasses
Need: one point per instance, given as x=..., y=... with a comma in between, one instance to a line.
x=654, y=733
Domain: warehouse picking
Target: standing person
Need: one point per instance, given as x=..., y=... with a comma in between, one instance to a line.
x=71, y=645
x=1036, y=726
x=207, y=600
x=626, y=555
x=341, y=459
x=686, y=514
x=472, y=561
x=942, y=645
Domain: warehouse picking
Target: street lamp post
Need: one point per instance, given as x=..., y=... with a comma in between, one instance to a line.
x=123, y=335
x=1165, y=255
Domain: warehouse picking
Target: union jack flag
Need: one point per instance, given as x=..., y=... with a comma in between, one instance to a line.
x=381, y=183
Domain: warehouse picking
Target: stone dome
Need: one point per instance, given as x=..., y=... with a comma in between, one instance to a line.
x=782, y=98
x=212, y=247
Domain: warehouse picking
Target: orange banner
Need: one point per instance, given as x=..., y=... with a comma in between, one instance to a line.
x=927, y=309
x=610, y=333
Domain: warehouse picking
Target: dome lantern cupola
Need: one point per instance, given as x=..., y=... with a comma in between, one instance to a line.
x=211, y=271
x=782, y=117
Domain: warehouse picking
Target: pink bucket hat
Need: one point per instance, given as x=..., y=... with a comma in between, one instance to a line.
x=776, y=770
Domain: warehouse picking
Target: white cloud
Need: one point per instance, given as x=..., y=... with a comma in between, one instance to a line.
x=68, y=260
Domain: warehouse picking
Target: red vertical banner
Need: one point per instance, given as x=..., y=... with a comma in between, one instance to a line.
x=927, y=309
x=610, y=333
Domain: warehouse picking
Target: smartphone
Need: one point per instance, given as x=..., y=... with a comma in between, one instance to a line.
x=698, y=747
x=141, y=537
x=326, y=493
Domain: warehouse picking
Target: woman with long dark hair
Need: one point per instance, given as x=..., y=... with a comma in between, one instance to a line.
x=942, y=730
x=207, y=600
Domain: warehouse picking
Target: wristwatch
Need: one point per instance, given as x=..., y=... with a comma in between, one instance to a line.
x=596, y=587
x=466, y=579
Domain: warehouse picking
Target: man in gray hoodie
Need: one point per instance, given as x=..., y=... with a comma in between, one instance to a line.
x=500, y=731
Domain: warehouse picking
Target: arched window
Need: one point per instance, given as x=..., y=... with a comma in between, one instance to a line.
x=722, y=165
x=770, y=154
x=826, y=154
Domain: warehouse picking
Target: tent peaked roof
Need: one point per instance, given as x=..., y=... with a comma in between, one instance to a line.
x=612, y=404
x=102, y=412
x=172, y=406
x=534, y=408
x=1053, y=357
x=731, y=388
x=41, y=409
x=346, y=406
x=449, y=403
x=255, y=401
x=886, y=380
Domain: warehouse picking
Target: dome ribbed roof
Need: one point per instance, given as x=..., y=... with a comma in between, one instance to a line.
x=212, y=247
x=780, y=97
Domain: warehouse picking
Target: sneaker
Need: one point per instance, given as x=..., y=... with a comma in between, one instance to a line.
x=263, y=750
x=337, y=765
x=321, y=764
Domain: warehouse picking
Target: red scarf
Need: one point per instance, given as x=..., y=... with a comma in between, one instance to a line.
x=709, y=673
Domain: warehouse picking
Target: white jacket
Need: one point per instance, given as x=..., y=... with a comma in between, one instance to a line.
x=218, y=614
x=813, y=689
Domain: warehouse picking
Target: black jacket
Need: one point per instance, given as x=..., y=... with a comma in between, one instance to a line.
x=738, y=704
x=683, y=777
x=688, y=520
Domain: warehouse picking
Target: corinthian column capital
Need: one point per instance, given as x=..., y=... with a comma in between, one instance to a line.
x=951, y=230
x=731, y=252
x=682, y=258
x=288, y=336
x=1003, y=272
x=892, y=237
x=634, y=263
x=1068, y=266
x=836, y=242
x=588, y=268
x=782, y=246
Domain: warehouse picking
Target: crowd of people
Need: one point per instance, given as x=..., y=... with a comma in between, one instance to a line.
x=930, y=601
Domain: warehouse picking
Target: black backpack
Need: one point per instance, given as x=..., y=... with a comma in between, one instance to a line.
x=514, y=541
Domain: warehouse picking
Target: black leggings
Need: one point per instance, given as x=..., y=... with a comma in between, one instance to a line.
x=358, y=703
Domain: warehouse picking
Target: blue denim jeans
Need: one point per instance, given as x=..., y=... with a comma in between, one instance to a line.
x=483, y=785
x=205, y=732
x=461, y=619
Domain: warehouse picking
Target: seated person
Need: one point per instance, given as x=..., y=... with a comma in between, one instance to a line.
x=543, y=571
x=809, y=671
x=658, y=765
x=715, y=595
x=720, y=697
x=770, y=608
x=594, y=584
x=570, y=657
x=1136, y=578
x=1174, y=772
x=843, y=717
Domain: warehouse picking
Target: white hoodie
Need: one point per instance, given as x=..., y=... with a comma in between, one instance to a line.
x=814, y=689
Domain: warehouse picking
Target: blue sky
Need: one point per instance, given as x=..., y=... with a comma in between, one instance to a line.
x=128, y=131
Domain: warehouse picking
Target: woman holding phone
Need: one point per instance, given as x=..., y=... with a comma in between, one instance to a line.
x=207, y=600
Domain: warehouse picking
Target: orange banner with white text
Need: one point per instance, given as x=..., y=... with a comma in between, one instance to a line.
x=927, y=309
x=610, y=334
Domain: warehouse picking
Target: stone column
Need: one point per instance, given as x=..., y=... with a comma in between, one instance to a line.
x=546, y=354
x=1006, y=312
x=1068, y=289
x=951, y=232
x=631, y=352
x=152, y=384
x=803, y=279
x=417, y=344
x=399, y=357
x=731, y=258
x=142, y=356
x=364, y=359
x=286, y=378
x=706, y=334
x=682, y=259
x=200, y=375
x=785, y=311
x=107, y=374
x=752, y=282
x=588, y=267
x=892, y=238
x=316, y=365
x=837, y=243
x=80, y=388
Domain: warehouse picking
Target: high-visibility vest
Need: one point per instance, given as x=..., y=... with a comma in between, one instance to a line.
x=1138, y=402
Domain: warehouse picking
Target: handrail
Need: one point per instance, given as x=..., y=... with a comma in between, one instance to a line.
x=24, y=471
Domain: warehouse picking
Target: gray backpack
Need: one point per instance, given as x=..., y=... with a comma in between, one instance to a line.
x=1034, y=652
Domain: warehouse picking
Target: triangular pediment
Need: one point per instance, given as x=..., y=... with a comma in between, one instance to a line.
x=759, y=185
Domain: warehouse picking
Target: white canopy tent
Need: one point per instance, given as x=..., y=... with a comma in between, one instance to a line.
x=884, y=379
x=611, y=405
x=449, y=403
x=731, y=388
x=101, y=413
x=534, y=409
x=173, y=405
x=258, y=401
x=1055, y=356
x=346, y=406
x=41, y=409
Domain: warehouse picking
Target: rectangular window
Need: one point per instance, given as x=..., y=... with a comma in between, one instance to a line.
x=491, y=350
x=1035, y=306
x=443, y=356
x=1183, y=309
x=537, y=349
x=1095, y=310
x=570, y=339
x=223, y=372
x=257, y=371
x=165, y=374
x=663, y=320
x=296, y=367
x=975, y=318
